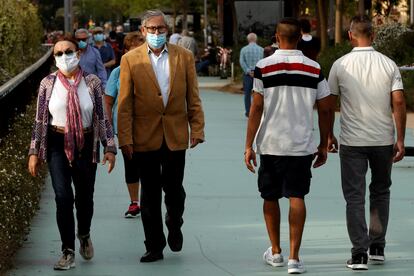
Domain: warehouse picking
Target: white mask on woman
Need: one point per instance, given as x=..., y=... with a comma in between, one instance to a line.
x=67, y=63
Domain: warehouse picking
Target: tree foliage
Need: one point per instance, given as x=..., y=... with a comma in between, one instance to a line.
x=20, y=34
x=384, y=7
x=47, y=9
x=119, y=10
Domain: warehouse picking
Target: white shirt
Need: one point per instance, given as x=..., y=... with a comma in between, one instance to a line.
x=161, y=68
x=306, y=37
x=290, y=84
x=365, y=79
x=58, y=103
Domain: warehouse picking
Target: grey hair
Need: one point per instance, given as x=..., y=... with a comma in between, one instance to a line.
x=252, y=37
x=82, y=30
x=152, y=13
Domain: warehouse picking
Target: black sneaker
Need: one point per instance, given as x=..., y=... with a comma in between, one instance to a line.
x=376, y=255
x=358, y=262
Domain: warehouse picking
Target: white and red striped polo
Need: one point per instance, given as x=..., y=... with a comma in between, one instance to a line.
x=290, y=84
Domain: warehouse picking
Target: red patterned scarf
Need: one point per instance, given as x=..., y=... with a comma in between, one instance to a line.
x=73, y=127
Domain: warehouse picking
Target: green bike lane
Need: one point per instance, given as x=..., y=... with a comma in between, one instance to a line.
x=224, y=232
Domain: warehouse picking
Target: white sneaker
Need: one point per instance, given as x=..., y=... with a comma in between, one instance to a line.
x=296, y=267
x=86, y=247
x=273, y=259
x=66, y=261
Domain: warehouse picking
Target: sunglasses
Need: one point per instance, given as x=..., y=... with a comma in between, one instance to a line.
x=82, y=39
x=66, y=52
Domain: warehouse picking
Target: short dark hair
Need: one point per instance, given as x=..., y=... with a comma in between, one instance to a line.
x=305, y=25
x=361, y=25
x=289, y=28
x=70, y=39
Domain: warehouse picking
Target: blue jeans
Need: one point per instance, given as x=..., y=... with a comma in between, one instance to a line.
x=354, y=166
x=202, y=66
x=247, y=88
x=82, y=173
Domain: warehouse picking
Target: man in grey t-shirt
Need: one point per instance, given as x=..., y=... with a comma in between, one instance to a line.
x=371, y=92
x=188, y=42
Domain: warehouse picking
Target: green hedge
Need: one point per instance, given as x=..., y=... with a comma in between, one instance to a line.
x=328, y=57
x=393, y=40
x=19, y=192
x=20, y=36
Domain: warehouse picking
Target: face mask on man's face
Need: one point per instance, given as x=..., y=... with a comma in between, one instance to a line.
x=99, y=37
x=156, y=41
x=67, y=62
x=82, y=44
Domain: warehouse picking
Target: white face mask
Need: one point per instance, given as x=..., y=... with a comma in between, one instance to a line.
x=67, y=63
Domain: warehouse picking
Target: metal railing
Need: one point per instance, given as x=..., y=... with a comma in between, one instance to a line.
x=18, y=91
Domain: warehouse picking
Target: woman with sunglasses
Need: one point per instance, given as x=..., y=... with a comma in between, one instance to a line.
x=70, y=121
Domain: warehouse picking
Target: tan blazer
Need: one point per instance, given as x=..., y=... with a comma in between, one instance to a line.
x=143, y=121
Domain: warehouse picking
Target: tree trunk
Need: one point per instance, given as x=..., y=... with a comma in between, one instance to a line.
x=185, y=11
x=296, y=8
x=323, y=20
x=220, y=7
x=235, y=27
x=174, y=16
x=331, y=20
x=338, y=21
x=292, y=8
x=361, y=7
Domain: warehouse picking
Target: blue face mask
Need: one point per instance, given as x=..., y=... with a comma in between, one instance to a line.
x=156, y=41
x=99, y=37
x=82, y=44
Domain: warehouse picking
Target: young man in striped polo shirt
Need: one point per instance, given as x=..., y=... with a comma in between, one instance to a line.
x=286, y=86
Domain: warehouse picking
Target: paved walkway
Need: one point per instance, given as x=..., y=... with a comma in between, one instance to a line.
x=224, y=233
x=213, y=82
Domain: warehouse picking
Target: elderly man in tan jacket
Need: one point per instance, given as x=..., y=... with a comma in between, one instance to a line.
x=158, y=104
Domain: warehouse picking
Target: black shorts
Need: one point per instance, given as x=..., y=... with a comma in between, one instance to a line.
x=132, y=173
x=284, y=176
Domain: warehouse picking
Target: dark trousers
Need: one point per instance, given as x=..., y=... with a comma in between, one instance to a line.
x=82, y=173
x=354, y=166
x=202, y=66
x=161, y=170
x=247, y=88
